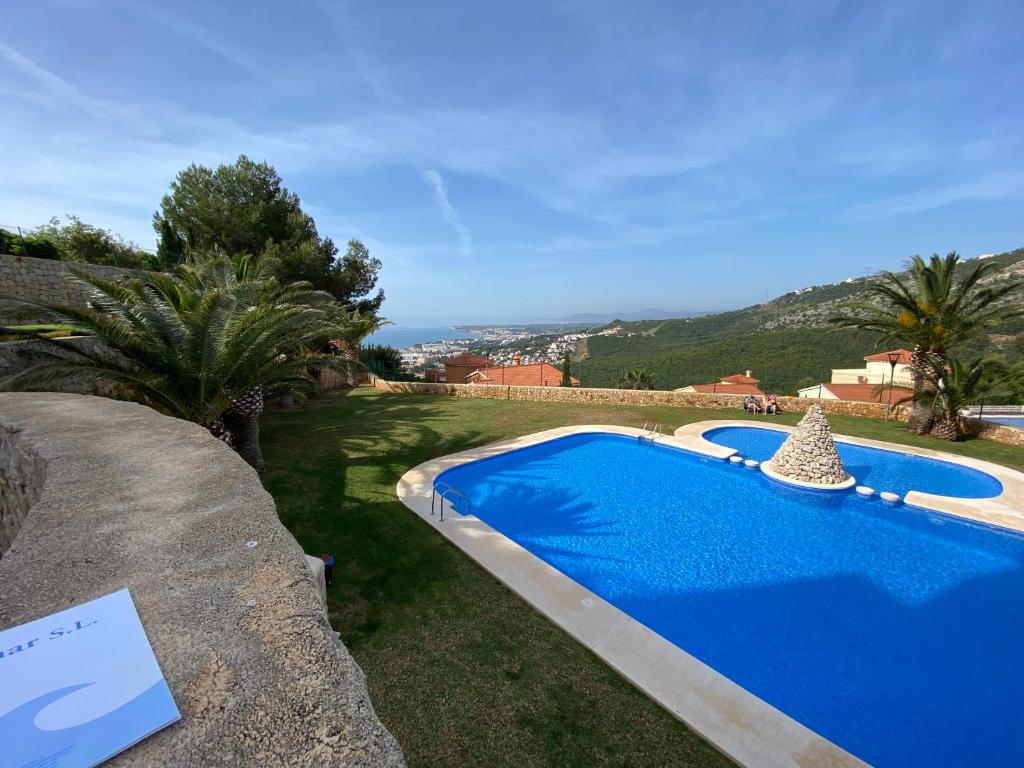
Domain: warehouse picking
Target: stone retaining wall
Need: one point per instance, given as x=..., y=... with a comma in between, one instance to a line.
x=631, y=397
x=125, y=497
x=983, y=429
x=22, y=474
x=997, y=433
x=42, y=280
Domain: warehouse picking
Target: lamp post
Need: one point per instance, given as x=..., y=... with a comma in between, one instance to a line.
x=894, y=358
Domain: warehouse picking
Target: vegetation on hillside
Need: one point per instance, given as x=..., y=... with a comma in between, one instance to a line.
x=74, y=240
x=637, y=378
x=785, y=341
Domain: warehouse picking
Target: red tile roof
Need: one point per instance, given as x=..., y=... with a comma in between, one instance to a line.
x=728, y=389
x=739, y=378
x=467, y=360
x=883, y=357
x=867, y=393
x=529, y=375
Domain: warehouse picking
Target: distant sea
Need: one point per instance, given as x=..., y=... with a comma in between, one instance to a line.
x=401, y=336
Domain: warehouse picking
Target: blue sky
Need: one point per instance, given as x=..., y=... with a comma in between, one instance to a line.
x=513, y=161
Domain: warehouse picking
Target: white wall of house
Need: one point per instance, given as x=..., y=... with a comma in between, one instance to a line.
x=819, y=391
x=873, y=373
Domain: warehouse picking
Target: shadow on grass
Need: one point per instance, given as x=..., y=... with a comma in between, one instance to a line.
x=460, y=669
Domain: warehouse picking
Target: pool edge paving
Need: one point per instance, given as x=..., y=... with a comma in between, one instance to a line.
x=1004, y=511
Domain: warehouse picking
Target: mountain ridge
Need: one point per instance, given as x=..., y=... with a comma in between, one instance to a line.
x=641, y=314
x=786, y=339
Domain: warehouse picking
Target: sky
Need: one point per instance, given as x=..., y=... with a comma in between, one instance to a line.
x=526, y=161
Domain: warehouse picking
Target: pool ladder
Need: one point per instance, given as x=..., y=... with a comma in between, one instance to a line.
x=452, y=495
x=651, y=433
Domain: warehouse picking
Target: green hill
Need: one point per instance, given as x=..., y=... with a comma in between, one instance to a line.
x=783, y=341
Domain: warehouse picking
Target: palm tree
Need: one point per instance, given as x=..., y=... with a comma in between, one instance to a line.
x=205, y=343
x=358, y=325
x=637, y=378
x=959, y=385
x=932, y=309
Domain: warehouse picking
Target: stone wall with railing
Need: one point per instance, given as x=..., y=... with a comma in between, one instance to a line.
x=43, y=281
x=642, y=397
x=718, y=401
x=997, y=433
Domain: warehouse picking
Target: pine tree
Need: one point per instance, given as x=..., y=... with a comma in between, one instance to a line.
x=566, y=370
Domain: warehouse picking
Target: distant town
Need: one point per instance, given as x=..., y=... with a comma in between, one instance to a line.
x=502, y=344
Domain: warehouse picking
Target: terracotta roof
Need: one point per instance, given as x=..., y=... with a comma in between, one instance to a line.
x=467, y=360
x=529, y=375
x=739, y=378
x=883, y=357
x=867, y=393
x=728, y=389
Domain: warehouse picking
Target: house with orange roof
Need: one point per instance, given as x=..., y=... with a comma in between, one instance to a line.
x=858, y=393
x=457, y=368
x=737, y=384
x=877, y=370
x=871, y=384
x=518, y=374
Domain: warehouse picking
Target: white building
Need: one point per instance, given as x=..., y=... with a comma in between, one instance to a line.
x=870, y=383
x=877, y=370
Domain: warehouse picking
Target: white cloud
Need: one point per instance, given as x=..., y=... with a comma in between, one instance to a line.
x=361, y=52
x=449, y=213
x=54, y=90
x=991, y=187
x=204, y=37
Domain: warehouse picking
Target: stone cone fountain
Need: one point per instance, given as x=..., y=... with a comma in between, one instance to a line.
x=809, y=455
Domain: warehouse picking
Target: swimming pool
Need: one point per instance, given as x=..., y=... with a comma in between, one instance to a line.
x=892, y=632
x=1007, y=421
x=880, y=469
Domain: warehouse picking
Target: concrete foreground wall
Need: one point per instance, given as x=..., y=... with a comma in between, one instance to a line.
x=44, y=281
x=125, y=497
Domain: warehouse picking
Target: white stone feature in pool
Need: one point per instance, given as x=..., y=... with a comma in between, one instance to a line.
x=736, y=459
x=751, y=463
x=809, y=454
x=864, y=490
x=889, y=496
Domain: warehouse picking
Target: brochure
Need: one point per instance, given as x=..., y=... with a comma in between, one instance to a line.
x=79, y=686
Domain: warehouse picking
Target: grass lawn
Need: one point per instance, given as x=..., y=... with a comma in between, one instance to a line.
x=460, y=669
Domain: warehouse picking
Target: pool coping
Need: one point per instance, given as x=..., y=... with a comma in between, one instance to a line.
x=1005, y=510
x=744, y=727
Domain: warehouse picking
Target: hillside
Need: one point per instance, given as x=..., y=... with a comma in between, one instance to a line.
x=783, y=341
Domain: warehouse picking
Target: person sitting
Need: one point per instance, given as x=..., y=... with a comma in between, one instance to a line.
x=750, y=404
x=771, y=405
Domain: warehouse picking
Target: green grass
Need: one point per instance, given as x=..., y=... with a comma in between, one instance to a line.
x=50, y=330
x=460, y=669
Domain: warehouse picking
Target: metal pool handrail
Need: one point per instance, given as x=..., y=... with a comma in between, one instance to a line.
x=650, y=434
x=445, y=491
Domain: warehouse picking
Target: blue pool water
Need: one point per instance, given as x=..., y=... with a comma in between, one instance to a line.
x=892, y=631
x=879, y=469
x=1008, y=421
